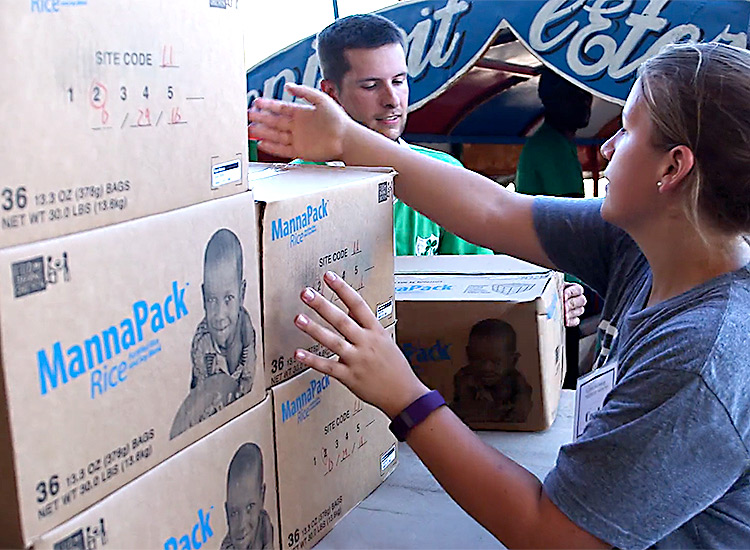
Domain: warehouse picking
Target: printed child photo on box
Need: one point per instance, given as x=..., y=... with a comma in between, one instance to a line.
x=248, y=523
x=223, y=348
x=490, y=388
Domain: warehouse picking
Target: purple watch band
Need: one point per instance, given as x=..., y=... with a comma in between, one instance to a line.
x=415, y=413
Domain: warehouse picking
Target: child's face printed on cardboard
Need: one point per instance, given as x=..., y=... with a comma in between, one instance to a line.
x=222, y=300
x=490, y=358
x=245, y=495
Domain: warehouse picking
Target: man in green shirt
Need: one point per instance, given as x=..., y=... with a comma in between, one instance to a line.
x=549, y=165
x=363, y=61
x=549, y=162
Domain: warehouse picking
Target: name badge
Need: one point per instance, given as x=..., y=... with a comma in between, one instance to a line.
x=591, y=389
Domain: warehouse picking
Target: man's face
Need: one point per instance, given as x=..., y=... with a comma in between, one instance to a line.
x=222, y=300
x=243, y=507
x=374, y=91
x=490, y=358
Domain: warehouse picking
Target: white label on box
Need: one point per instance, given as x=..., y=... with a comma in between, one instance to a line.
x=387, y=458
x=384, y=309
x=226, y=172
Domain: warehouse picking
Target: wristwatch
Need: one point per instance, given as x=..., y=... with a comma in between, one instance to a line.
x=415, y=413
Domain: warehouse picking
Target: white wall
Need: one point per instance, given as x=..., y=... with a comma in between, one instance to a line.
x=272, y=25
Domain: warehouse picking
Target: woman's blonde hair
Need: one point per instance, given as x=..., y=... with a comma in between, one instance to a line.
x=698, y=95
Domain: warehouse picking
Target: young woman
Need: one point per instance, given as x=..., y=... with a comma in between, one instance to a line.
x=665, y=461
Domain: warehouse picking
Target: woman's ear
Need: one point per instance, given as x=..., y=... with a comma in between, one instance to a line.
x=680, y=162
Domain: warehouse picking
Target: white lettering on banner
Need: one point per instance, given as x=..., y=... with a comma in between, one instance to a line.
x=419, y=55
x=416, y=41
x=550, y=13
x=288, y=75
x=582, y=40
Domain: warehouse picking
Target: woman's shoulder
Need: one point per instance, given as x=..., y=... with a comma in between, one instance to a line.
x=710, y=320
x=700, y=337
x=717, y=311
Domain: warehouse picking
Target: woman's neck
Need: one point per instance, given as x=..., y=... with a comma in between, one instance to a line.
x=684, y=260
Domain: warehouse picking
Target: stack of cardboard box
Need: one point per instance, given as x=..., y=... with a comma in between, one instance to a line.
x=332, y=449
x=125, y=156
x=488, y=332
x=135, y=410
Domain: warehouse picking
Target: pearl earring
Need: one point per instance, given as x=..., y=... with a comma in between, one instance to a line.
x=659, y=184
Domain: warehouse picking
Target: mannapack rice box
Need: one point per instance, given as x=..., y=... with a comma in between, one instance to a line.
x=117, y=109
x=313, y=219
x=120, y=346
x=218, y=493
x=333, y=450
x=488, y=333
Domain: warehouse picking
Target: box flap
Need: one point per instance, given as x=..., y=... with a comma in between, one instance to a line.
x=465, y=264
x=276, y=182
x=471, y=287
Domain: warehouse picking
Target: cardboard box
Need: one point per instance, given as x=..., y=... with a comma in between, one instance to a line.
x=332, y=450
x=509, y=372
x=117, y=109
x=104, y=333
x=313, y=219
x=197, y=498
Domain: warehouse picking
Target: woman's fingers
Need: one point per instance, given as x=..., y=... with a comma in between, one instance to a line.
x=572, y=321
x=271, y=123
x=326, y=365
x=574, y=302
x=271, y=131
x=358, y=308
x=277, y=150
x=268, y=120
x=276, y=107
x=332, y=314
x=311, y=95
x=369, y=362
x=321, y=334
x=574, y=292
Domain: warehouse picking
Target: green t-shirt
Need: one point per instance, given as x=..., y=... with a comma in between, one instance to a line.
x=549, y=165
x=418, y=235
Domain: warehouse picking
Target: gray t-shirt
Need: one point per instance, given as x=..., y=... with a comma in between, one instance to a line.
x=665, y=462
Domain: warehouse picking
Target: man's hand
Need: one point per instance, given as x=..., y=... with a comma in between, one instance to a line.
x=314, y=131
x=573, y=303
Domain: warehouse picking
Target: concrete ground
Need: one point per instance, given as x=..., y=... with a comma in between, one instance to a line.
x=411, y=511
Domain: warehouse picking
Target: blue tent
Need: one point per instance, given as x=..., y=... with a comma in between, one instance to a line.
x=473, y=64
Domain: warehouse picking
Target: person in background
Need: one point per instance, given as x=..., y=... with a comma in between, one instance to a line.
x=549, y=162
x=667, y=247
x=549, y=165
x=363, y=61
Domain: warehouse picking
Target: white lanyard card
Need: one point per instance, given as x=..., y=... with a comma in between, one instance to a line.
x=591, y=389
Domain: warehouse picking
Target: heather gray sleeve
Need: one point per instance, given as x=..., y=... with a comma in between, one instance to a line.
x=577, y=240
x=661, y=450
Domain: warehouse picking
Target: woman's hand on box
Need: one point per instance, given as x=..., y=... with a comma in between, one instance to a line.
x=313, y=131
x=369, y=362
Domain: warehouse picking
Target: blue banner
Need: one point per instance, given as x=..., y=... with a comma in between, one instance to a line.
x=599, y=44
